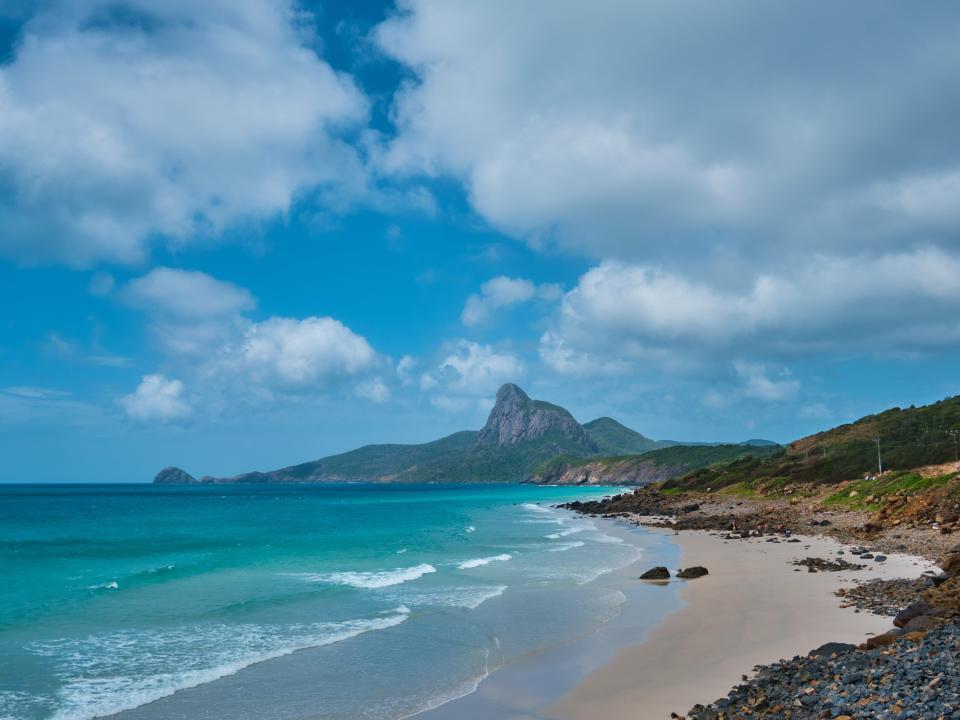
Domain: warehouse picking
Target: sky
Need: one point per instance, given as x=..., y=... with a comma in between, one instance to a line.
x=241, y=234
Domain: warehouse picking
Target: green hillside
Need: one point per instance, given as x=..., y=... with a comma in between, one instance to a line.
x=654, y=466
x=615, y=439
x=909, y=438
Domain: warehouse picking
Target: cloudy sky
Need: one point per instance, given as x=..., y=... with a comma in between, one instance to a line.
x=243, y=233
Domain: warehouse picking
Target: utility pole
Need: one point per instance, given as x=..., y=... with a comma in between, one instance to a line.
x=879, y=459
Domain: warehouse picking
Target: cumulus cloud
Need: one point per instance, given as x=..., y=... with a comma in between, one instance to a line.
x=157, y=398
x=503, y=292
x=292, y=354
x=609, y=132
x=204, y=326
x=470, y=372
x=883, y=303
x=163, y=118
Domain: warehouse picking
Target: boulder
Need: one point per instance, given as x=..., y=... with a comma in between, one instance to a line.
x=691, y=573
x=951, y=563
x=657, y=573
x=910, y=612
x=923, y=623
x=831, y=648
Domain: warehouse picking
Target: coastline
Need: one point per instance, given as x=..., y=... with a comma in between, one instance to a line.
x=752, y=608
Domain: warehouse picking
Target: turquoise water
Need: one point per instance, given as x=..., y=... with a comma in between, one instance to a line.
x=333, y=601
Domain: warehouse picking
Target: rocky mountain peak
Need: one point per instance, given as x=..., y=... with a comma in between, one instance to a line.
x=516, y=418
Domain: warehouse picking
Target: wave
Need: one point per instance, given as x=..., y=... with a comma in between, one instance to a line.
x=480, y=562
x=564, y=533
x=460, y=597
x=96, y=671
x=608, y=539
x=112, y=585
x=469, y=529
x=538, y=508
x=372, y=579
x=561, y=547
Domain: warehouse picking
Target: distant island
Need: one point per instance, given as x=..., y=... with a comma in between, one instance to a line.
x=523, y=440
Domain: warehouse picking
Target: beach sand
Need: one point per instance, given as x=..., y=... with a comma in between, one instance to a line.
x=752, y=608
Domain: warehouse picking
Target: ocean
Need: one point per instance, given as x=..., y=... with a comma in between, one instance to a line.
x=263, y=601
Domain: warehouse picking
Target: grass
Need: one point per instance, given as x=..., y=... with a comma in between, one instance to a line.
x=907, y=483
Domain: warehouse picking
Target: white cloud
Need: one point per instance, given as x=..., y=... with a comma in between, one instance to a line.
x=157, y=398
x=884, y=303
x=607, y=132
x=503, y=292
x=405, y=367
x=173, y=119
x=500, y=292
x=291, y=354
x=187, y=294
x=374, y=390
x=758, y=383
x=473, y=370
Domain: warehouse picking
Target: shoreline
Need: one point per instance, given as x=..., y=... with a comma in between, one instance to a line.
x=752, y=609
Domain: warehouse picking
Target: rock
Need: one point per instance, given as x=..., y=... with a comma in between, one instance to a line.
x=879, y=558
x=923, y=623
x=866, y=556
x=516, y=418
x=657, y=573
x=910, y=612
x=173, y=476
x=691, y=573
x=831, y=648
x=951, y=563
x=946, y=516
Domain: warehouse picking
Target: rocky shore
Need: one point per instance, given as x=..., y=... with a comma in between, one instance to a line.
x=910, y=671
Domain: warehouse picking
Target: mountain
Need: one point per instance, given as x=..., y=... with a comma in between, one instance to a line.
x=908, y=438
x=520, y=435
x=516, y=419
x=616, y=439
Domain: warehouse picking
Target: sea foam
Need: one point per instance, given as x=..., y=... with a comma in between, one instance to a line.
x=480, y=562
x=372, y=579
x=107, y=674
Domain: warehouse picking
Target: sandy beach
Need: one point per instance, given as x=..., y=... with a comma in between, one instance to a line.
x=754, y=607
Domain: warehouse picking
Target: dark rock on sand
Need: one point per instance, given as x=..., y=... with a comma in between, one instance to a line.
x=819, y=564
x=691, y=573
x=831, y=648
x=910, y=612
x=657, y=573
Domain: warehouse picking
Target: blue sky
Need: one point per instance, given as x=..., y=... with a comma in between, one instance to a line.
x=255, y=232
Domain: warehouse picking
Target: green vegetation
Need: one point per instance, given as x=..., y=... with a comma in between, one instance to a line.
x=615, y=439
x=868, y=494
x=909, y=438
x=656, y=465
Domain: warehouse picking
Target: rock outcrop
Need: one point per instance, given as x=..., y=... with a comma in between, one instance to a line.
x=174, y=476
x=516, y=418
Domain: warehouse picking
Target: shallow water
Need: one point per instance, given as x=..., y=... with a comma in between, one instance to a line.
x=333, y=601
